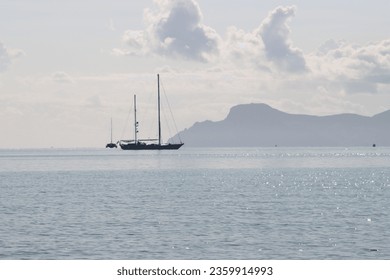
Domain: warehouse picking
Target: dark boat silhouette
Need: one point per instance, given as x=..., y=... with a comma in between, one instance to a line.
x=111, y=145
x=145, y=144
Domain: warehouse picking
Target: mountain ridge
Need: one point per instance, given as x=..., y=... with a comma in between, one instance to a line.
x=258, y=124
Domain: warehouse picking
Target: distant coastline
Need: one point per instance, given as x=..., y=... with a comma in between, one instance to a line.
x=259, y=125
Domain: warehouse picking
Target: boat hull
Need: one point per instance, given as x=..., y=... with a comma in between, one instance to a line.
x=111, y=145
x=132, y=146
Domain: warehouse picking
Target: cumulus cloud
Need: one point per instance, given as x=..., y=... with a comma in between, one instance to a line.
x=241, y=46
x=173, y=29
x=267, y=47
x=359, y=69
x=275, y=34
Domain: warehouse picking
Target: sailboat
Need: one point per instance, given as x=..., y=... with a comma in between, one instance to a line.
x=145, y=144
x=111, y=145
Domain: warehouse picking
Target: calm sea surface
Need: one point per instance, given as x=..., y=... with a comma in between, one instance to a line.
x=275, y=203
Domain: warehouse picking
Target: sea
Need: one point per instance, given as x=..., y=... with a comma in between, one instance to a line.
x=195, y=203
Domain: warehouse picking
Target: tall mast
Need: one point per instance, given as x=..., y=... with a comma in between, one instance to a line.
x=111, y=130
x=158, y=102
x=135, y=119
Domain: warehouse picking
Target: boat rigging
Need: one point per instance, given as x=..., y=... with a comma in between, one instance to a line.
x=143, y=144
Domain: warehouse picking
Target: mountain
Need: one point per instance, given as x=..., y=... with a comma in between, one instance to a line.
x=256, y=125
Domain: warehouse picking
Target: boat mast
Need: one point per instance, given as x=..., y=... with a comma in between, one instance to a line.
x=111, y=130
x=158, y=102
x=135, y=120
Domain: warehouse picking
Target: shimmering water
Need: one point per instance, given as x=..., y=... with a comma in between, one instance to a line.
x=275, y=203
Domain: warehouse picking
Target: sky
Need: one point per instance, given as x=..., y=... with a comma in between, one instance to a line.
x=68, y=67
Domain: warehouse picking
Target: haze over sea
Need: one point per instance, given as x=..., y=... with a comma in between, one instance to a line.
x=220, y=203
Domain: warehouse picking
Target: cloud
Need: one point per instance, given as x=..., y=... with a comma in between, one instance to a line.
x=267, y=47
x=62, y=78
x=7, y=55
x=243, y=47
x=358, y=68
x=174, y=29
x=275, y=34
x=5, y=58
x=137, y=42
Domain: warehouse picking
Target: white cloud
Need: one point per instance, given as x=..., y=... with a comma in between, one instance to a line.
x=244, y=48
x=7, y=55
x=358, y=69
x=174, y=29
x=275, y=34
x=61, y=77
x=5, y=58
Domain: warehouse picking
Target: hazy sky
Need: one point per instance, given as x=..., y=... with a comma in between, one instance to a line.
x=67, y=67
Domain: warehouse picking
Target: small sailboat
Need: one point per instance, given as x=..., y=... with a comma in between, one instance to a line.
x=148, y=144
x=111, y=145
